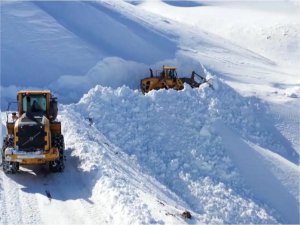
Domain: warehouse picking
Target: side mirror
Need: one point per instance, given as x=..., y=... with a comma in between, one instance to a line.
x=53, y=108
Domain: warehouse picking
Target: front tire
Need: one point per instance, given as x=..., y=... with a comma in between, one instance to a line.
x=8, y=167
x=59, y=164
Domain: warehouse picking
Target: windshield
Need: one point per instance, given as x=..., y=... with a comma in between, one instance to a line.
x=34, y=103
x=172, y=73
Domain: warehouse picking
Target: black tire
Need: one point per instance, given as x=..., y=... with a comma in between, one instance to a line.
x=59, y=164
x=8, y=167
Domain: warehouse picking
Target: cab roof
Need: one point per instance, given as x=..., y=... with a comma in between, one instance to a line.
x=169, y=67
x=34, y=92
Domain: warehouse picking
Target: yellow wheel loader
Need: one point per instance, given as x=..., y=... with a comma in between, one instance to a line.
x=33, y=133
x=168, y=78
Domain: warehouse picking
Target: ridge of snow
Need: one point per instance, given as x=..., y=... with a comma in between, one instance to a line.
x=166, y=129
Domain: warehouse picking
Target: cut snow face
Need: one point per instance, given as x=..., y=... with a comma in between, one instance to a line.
x=111, y=72
x=46, y=40
x=3, y=129
x=171, y=135
x=45, y=46
x=116, y=72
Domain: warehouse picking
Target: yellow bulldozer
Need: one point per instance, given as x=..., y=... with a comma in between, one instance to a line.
x=168, y=78
x=33, y=133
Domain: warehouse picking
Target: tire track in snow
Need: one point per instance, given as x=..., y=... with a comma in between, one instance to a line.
x=29, y=206
x=11, y=201
x=73, y=211
x=60, y=207
x=3, y=212
x=53, y=212
x=69, y=201
x=17, y=200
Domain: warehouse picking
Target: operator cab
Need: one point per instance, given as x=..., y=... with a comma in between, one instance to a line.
x=35, y=104
x=169, y=72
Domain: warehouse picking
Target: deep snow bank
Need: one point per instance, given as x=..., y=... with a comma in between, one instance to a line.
x=170, y=135
x=42, y=42
x=112, y=181
x=111, y=72
x=67, y=46
x=45, y=40
x=2, y=132
x=115, y=72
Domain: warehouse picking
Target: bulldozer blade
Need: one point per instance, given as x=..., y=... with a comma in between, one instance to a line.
x=195, y=84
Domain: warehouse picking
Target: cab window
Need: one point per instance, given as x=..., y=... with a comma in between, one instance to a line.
x=172, y=73
x=37, y=103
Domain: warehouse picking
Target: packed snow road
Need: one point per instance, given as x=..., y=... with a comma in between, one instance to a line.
x=37, y=197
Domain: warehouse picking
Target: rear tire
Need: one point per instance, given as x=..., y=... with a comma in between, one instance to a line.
x=59, y=164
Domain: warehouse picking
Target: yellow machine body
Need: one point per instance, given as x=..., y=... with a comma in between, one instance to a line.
x=13, y=153
x=166, y=80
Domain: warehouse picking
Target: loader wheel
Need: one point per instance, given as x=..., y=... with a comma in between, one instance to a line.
x=59, y=164
x=8, y=167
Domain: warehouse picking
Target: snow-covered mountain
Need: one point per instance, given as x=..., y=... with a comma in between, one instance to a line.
x=228, y=155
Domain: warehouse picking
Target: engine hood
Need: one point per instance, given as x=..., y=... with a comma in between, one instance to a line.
x=31, y=132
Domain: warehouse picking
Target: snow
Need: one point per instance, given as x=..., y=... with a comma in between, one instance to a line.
x=111, y=71
x=57, y=43
x=270, y=29
x=228, y=154
x=184, y=117
x=261, y=179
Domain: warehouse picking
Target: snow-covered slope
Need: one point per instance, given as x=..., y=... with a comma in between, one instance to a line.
x=168, y=156
x=268, y=28
x=228, y=155
x=100, y=185
x=172, y=151
x=47, y=40
x=77, y=56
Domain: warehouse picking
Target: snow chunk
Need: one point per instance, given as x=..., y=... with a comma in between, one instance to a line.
x=169, y=133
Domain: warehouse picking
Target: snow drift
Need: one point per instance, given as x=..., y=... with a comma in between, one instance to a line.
x=171, y=136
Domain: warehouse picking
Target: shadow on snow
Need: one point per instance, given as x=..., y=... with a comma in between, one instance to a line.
x=72, y=184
